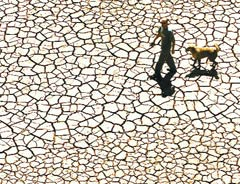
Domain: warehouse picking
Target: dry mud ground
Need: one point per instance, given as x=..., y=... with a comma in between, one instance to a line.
x=77, y=106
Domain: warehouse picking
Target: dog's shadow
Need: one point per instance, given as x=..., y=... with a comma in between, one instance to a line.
x=203, y=72
x=166, y=85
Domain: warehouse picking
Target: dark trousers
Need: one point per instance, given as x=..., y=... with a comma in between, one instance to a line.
x=165, y=56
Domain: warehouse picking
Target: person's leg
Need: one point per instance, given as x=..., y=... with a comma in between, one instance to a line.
x=171, y=63
x=159, y=66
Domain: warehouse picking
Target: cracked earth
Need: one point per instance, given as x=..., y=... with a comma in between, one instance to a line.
x=77, y=104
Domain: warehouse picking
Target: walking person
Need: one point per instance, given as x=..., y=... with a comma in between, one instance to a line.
x=167, y=46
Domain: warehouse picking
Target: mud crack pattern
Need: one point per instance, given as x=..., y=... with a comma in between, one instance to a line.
x=77, y=105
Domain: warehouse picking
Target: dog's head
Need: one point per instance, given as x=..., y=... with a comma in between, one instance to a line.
x=191, y=49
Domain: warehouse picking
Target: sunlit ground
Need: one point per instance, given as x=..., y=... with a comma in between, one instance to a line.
x=77, y=104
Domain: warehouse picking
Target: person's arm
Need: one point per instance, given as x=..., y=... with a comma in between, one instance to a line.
x=156, y=37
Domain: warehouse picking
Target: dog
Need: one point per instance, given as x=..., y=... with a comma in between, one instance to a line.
x=204, y=52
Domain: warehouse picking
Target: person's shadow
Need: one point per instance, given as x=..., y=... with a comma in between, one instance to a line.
x=204, y=72
x=166, y=85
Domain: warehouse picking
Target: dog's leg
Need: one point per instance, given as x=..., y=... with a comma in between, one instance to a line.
x=199, y=65
x=214, y=63
x=212, y=59
x=194, y=64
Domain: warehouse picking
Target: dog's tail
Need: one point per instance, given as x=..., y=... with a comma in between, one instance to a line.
x=217, y=47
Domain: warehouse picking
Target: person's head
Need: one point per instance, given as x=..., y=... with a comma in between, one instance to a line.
x=164, y=23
